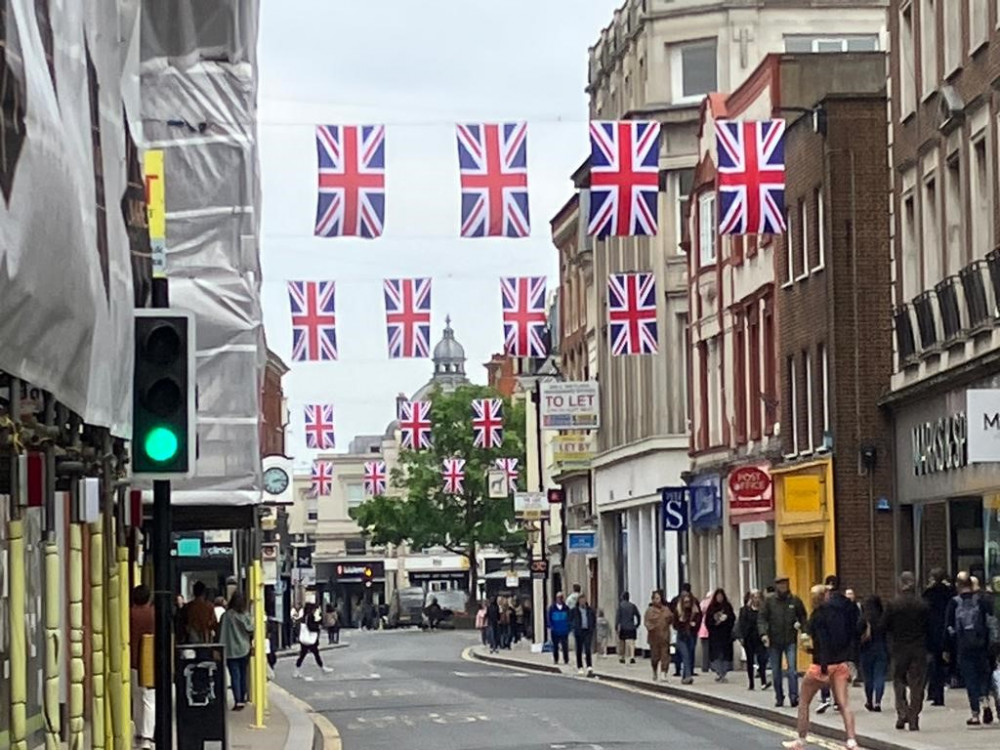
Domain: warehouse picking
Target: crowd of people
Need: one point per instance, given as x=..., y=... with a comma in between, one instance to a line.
x=920, y=642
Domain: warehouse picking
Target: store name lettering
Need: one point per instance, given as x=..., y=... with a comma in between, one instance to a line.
x=940, y=446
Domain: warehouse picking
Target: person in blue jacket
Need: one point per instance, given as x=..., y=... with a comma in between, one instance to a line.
x=559, y=626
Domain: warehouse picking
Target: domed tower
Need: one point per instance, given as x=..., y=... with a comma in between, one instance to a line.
x=449, y=364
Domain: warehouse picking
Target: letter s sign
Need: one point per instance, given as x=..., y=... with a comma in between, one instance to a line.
x=675, y=508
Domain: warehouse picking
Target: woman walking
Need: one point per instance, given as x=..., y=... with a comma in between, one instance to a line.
x=687, y=622
x=749, y=635
x=657, y=621
x=309, y=640
x=236, y=635
x=721, y=620
x=874, y=652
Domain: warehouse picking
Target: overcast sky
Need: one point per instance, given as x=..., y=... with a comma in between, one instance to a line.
x=419, y=68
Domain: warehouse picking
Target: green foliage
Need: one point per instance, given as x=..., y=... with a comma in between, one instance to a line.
x=425, y=516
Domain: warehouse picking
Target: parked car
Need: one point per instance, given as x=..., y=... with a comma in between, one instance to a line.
x=406, y=607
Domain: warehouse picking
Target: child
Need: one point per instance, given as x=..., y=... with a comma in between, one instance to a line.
x=603, y=633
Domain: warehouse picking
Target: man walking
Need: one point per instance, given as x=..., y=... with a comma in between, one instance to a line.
x=559, y=625
x=937, y=595
x=627, y=624
x=583, y=620
x=967, y=627
x=781, y=618
x=907, y=620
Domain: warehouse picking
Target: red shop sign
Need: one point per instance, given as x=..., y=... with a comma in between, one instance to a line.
x=750, y=489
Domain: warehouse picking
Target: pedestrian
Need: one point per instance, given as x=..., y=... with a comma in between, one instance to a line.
x=968, y=631
x=749, y=636
x=855, y=663
x=603, y=633
x=874, y=652
x=220, y=608
x=627, y=624
x=141, y=624
x=817, y=595
x=493, y=624
x=687, y=620
x=199, y=617
x=573, y=596
x=309, y=639
x=676, y=657
x=907, y=628
x=832, y=630
x=703, y=634
x=583, y=622
x=330, y=623
x=937, y=595
x=236, y=636
x=779, y=622
x=721, y=621
x=559, y=627
x=518, y=620
x=481, y=622
x=657, y=620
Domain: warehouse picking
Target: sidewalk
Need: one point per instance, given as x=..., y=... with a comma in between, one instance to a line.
x=940, y=728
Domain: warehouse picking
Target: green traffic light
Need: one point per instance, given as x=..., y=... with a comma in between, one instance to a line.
x=161, y=444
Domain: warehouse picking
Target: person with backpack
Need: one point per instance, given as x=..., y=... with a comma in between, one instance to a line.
x=967, y=621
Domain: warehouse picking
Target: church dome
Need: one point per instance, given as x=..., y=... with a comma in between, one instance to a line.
x=448, y=347
x=449, y=365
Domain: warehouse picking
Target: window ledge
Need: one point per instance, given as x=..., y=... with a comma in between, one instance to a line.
x=927, y=95
x=802, y=276
x=817, y=269
x=788, y=284
x=790, y=456
x=953, y=72
x=806, y=452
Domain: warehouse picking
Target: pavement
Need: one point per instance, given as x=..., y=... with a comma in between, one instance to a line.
x=394, y=690
x=940, y=727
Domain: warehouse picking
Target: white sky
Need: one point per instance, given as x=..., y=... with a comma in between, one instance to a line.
x=418, y=67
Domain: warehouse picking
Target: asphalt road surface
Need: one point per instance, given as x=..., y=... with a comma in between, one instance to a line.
x=407, y=690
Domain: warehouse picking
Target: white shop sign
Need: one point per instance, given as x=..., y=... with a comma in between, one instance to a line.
x=983, y=425
x=573, y=405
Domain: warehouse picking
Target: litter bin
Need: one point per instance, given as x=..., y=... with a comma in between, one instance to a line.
x=200, y=696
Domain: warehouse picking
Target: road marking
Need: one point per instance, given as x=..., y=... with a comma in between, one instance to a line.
x=489, y=674
x=752, y=721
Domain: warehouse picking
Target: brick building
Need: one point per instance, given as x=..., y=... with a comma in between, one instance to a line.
x=945, y=65
x=501, y=374
x=274, y=414
x=834, y=345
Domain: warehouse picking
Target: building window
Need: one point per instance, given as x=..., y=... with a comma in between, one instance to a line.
x=355, y=494
x=911, y=257
x=804, y=239
x=789, y=249
x=954, y=215
x=753, y=389
x=715, y=416
x=770, y=376
x=824, y=387
x=706, y=228
x=981, y=199
x=694, y=70
x=931, y=244
x=907, y=62
x=979, y=24
x=702, y=415
x=312, y=512
x=683, y=180
x=833, y=43
x=952, y=40
x=820, y=231
x=928, y=47
x=739, y=378
x=793, y=404
x=807, y=364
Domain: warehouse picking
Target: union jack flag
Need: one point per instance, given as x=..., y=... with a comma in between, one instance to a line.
x=524, y=316
x=374, y=478
x=415, y=424
x=632, y=313
x=751, y=175
x=454, y=475
x=314, y=321
x=408, y=317
x=509, y=468
x=351, y=180
x=319, y=427
x=624, y=178
x=493, y=165
x=322, y=477
x=487, y=422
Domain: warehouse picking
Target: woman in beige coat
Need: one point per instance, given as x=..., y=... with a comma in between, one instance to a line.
x=657, y=621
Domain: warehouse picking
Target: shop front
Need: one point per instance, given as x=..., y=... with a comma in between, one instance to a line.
x=948, y=510
x=804, y=532
x=355, y=587
x=705, y=534
x=749, y=526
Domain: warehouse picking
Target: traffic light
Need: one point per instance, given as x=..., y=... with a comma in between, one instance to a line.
x=368, y=575
x=163, y=410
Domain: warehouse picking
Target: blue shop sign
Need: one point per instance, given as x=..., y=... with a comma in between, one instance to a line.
x=706, y=502
x=581, y=541
x=675, y=502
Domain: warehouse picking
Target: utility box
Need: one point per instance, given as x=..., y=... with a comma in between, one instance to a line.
x=200, y=696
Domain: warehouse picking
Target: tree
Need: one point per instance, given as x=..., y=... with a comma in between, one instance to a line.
x=423, y=515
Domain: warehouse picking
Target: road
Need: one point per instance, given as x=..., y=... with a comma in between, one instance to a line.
x=396, y=690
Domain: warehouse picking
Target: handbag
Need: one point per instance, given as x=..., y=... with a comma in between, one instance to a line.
x=307, y=637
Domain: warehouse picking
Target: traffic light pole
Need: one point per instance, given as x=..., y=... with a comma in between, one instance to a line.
x=163, y=604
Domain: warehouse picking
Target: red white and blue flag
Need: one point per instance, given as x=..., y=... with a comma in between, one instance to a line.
x=509, y=468
x=751, y=176
x=374, y=478
x=487, y=422
x=632, y=313
x=624, y=178
x=322, y=477
x=524, y=318
x=319, y=427
x=408, y=317
x=351, y=180
x=415, y=424
x=453, y=473
x=314, y=321
x=493, y=166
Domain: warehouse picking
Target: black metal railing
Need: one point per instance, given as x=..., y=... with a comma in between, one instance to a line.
x=923, y=306
x=976, y=306
x=993, y=263
x=951, y=317
x=905, y=342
